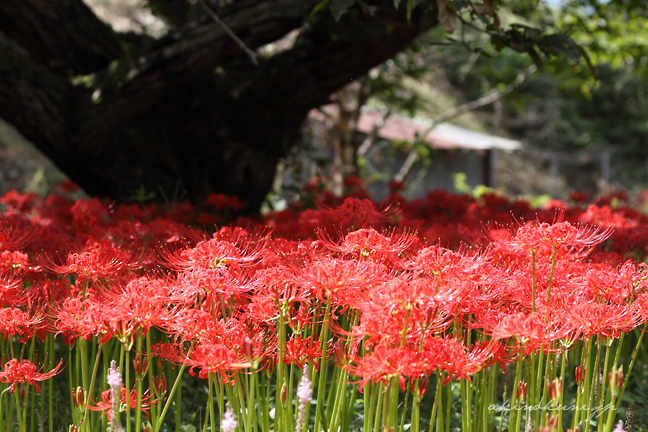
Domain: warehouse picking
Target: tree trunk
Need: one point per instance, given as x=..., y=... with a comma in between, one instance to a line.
x=160, y=118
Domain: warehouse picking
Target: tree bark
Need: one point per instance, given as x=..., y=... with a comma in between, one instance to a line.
x=162, y=118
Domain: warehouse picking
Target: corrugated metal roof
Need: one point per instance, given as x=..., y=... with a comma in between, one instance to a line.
x=443, y=136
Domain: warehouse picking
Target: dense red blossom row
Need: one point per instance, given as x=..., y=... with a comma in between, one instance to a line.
x=447, y=283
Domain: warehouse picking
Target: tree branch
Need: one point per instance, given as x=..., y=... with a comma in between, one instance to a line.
x=192, y=52
x=491, y=96
x=33, y=99
x=230, y=33
x=63, y=35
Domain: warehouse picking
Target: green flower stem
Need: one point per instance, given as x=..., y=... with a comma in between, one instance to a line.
x=538, y=384
x=379, y=404
x=369, y=398
x=126, y=370
x=73, y=410
x=155, y=397
x=402, y=421
x=220, y=397
x=280, y=425
x=138, y=383
x=172, y=393
x=347, y=417
x=333, y=414
x=416, y=407
x=2, y=410
x=591, y=374
x=266, y=412
x=612, y=412
x=50, y=385
x=177, y=409
x=90, y=388
x=209, y=409
x=8, y=427
x=30, y=395
x=245, y=413
x=323, y=367
x=392, y=403
x=465, y=407
x=437, y=408
x=595, y=376
x=514, y=420
x=252, y=385
x=563, y=365
x=289, y=407
x=21, y=423
x=448, y=404
x=601, y=393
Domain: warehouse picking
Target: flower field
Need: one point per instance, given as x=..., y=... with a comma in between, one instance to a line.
x=449, y=312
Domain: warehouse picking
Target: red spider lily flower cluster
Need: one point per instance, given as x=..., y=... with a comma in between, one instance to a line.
x=401, y=294
x=16, y=372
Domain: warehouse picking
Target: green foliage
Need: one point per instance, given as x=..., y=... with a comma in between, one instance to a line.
x=547, y=38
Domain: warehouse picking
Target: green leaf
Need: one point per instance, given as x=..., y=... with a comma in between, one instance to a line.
x=340, y=7
x=397, y=3
x=371, y=10
x=535, y=57
x=588, y=60
x=321, y=5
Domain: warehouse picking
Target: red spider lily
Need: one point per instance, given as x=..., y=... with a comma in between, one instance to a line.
x=640, y=307
x=385, y=362
x=12, y=262
x=24, y=371
x=100, y=259
x=355, y=213
x=610, y=285
x=80, y=318
x=170, y=352
x=544, y=237
x=207, y=286
x=238, y=250
x=12, y=238
x=405, y=362
x=530, y=331
x=300, y=351
x=608, y=320
x=385, y=312
x=19, y=201
x=343, y=282
x=15, y=322
x=281, y=286
x=216, y=358
x=142, y=304
x=368, y=244
x=11, y=291
x=106, y=405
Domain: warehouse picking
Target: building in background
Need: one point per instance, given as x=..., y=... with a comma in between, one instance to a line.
x=385, y=147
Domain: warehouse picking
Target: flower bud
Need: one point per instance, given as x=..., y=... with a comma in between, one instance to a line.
x=423, y=385
x=554, y=389
x=160, y=384
x=579, y=372
x=284, y=394
x=141, y=365
x=522, y=390
x=79, y=396
x=248, y=348
x=616, y=380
